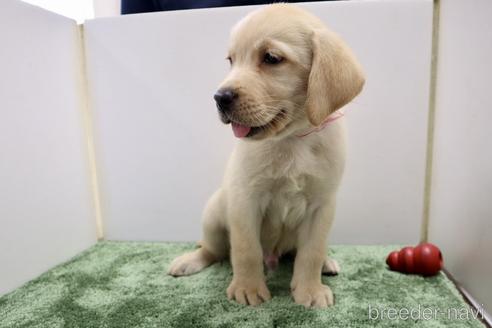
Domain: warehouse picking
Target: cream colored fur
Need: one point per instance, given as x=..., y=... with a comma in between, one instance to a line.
x=278, y=193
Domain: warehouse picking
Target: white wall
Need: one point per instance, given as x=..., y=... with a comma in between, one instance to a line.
x=161, y=148
x=46, y=214
x=105, y=8
x=79, y=10
x=461, y=210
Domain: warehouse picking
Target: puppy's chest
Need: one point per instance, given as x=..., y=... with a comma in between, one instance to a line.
x=287, y=200
x=288, y=183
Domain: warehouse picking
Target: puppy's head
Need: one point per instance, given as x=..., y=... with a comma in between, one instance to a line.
x=287, y=69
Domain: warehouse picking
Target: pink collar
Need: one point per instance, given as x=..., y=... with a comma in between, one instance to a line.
x=333, y=117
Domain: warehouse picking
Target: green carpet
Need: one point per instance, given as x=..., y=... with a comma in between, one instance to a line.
x=123, y=284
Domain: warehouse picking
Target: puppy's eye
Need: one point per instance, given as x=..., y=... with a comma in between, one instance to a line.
x=230, y=60
x=271, y=59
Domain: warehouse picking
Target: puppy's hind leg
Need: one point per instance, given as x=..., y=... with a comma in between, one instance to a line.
x=213, y=246
x=330, y=267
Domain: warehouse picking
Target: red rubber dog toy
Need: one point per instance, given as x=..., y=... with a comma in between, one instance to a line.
x=425, y=259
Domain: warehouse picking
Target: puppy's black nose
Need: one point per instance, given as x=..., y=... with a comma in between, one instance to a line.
x=225, y=98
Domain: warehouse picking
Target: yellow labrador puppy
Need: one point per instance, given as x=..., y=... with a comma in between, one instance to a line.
x=289, y=74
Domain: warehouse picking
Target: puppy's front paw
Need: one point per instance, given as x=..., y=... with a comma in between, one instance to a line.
x=252, y=292
x=189, y=263
x=313, y=295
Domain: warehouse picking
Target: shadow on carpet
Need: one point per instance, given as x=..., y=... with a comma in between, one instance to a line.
x=123, y=284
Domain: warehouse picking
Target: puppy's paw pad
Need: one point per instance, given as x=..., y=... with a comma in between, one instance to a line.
x=314, y=296
x=188, y=264
x=330, y=267
x=248, y=293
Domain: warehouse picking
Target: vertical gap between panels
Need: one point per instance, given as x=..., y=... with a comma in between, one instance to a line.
x=89, y=138
x=424, y=234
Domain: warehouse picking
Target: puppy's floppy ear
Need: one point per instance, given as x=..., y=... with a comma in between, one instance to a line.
x=335, y=78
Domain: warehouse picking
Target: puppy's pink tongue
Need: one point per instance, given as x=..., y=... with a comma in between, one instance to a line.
x=240, y=131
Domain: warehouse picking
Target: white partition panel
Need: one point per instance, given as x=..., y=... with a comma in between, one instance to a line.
x=46, y=214
x=162, y=149
x=461, y=210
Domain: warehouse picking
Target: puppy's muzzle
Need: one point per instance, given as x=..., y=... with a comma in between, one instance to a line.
x=225, y=99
